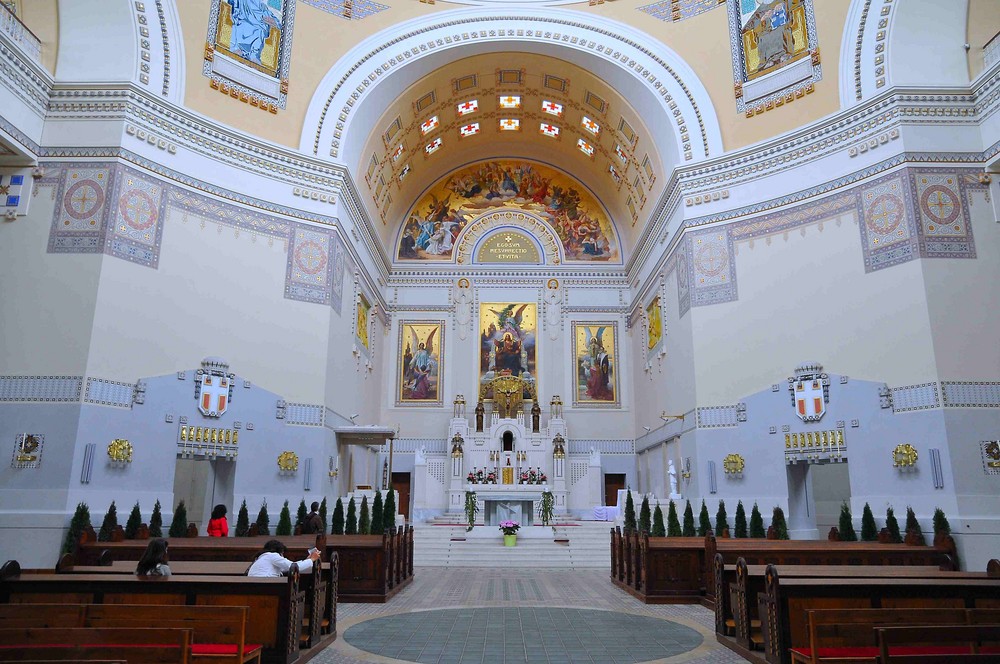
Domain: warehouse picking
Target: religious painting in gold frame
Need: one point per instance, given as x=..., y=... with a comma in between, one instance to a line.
x=363, y=310
x=595, y=355
x=654, y=325
x=507, y=342
x=420, y=364
x=250, y=31
x=772, y=34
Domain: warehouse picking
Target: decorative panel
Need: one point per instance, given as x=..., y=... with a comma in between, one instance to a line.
x=915, y=397
x=40, y=388
x=81, y=209
x=304, y=414
x=109, y=392
x=309, y=273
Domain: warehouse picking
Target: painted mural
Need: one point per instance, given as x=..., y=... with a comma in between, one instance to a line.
x=772, y=33
x=507, y=341
x=420, y=363
x=435, y=222
x=362, y=320
x=250, y=30
x=596, y=364
x=654, y=324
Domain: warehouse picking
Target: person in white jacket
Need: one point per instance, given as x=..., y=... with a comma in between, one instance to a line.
x=272, y=562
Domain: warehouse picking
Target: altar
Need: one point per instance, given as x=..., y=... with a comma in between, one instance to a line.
x=509, y=503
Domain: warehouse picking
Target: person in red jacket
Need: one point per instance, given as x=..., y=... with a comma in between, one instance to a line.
x=217, y=525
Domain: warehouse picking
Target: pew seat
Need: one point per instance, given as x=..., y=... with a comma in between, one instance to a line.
x=921, y=645
x=133, y=645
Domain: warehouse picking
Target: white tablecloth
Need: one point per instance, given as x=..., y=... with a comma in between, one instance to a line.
x=602, y=513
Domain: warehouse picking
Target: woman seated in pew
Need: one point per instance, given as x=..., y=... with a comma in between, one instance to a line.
x=272, y=562
x=154, y=560
x=217, y=525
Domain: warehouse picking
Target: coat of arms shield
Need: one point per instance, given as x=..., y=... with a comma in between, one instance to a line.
x=214, y=395
x=810, y=405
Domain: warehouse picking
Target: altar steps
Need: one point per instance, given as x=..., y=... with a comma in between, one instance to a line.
x=444, y=542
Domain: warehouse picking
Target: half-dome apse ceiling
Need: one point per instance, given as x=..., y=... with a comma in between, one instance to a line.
x=523, y=106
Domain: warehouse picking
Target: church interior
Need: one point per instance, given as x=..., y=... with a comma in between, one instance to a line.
x=551, y=262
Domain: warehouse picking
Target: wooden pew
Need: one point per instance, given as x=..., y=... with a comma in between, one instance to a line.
x=275, y=604
x=737, y=588
x=318, y=586
x=218, y=632
x=135, y=646
x=679, y=569
x=822, y=552
x=939, y=645
x=365, y=574
x=838, y=634
x=784, y=602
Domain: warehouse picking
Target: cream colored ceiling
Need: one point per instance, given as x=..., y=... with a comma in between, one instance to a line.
x=393, y=180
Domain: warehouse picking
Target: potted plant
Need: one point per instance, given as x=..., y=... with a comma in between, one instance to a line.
x=491, y=477
x=524, y=477
x=471, y=478
x=509, y=529
x=542, y=479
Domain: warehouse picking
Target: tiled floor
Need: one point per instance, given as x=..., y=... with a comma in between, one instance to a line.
x=521, y=615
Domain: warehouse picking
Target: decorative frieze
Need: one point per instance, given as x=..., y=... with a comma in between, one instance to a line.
x=105, y=392
x=915, y=397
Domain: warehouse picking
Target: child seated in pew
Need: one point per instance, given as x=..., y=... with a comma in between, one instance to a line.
x=272, y=562
x=154, y=560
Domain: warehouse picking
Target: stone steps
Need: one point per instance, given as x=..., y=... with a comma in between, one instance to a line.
x=449, y=545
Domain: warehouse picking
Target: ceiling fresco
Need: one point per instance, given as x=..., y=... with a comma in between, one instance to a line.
x=434, y=225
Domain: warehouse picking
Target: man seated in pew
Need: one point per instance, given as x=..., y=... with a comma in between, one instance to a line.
x=272, y=562
x=154, y=560
x=314, y=522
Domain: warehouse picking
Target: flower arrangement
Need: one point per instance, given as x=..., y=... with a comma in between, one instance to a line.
x=470, y=478
x=524, y=477
x=480, y=476
x=491, y=477
x=532, y=476
x=509, y=527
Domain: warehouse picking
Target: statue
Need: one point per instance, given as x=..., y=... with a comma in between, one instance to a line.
x=420, y=457
x=672, y=472
x=536, y=416
x=553, y=308
x=480, y=412
x=463, y=307
x=595, y=457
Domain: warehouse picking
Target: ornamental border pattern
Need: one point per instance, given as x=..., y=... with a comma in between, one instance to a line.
x=103, y=239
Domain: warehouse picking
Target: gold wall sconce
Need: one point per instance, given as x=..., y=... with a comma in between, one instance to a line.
x=733, y=465
x=288, y=463
x=904, y=457
x=120, y=452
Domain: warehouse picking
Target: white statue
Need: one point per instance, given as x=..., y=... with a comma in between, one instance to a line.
x=553, y=308
x=672, y=472
x=595, y=457
x=463, y=306
x=420, y=457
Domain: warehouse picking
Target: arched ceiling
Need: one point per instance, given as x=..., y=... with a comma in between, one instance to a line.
x=510, y=105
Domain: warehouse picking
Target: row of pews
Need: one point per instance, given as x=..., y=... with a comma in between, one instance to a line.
x=372, y=568
x=785, y=601
x=660, y=570
x=229, y=618
x=861, y=613
x=92, y=606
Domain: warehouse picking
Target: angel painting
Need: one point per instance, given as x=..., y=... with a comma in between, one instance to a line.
x=594, y=349
x=507, y=340
x=420, y=362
